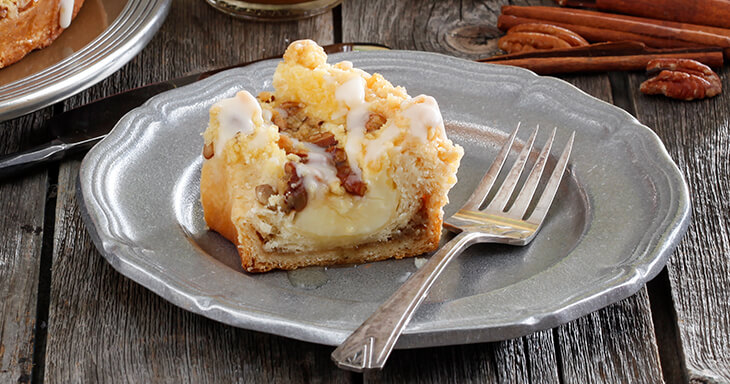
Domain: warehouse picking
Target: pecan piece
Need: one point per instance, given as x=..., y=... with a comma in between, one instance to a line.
x=291, y=106
x=285, y=142
x=681, y=79
x=572, y=38
x=295, y=196
x=530, y=41
x=354, y=185
x=338, y=154
x=289, y=116
x=375, y=121
x=208, y=150
x=323, y=139
x=351, y=182
x=263, y=192
x=279, y=121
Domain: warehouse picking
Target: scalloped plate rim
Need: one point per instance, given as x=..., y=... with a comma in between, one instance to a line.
x=333, y=335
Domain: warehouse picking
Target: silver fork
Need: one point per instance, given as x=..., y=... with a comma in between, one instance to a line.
x=370, y=345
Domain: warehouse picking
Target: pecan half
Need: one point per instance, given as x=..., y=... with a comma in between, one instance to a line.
x=375, y=121
x=692, y=67
x=677, y=85
x=208, y=150
x=530, y=41
x=572, y=38
x=682, y=65
x=295, y=196
x=682, y=79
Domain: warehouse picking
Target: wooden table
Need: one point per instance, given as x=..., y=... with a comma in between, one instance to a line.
x=66, y=316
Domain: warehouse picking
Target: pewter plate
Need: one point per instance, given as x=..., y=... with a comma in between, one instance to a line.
x=105, y=35
x=619, y=213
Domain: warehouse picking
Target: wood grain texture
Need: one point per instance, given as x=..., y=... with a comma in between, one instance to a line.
x=697, y=137
x=617, y=343
x=22, y=204
x=195, y=38
x=104, y=327
x=614, y=344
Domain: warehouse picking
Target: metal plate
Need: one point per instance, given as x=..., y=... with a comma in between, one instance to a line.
x=619, y=212
x=87, y=52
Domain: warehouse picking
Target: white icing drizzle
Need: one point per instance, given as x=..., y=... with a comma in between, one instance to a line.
x=65, y=11
x=423, y=112
x=376, y=147
x=318, y=172
x=236, y=115
x=356, y=120
x=352, y=93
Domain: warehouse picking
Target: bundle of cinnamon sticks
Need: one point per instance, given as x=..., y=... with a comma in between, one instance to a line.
x=624, y=42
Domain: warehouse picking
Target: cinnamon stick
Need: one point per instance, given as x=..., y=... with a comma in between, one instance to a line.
x=594, y=34
x=628, y=24
x=621, y=48
x=568, y=64
x=658, y=21
x=704, y=12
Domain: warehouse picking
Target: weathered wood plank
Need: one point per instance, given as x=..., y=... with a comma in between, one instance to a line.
x=627, y=348
x=104, y=327
x=613, y=345
x=696, y=135
x=618, y=342
x=22, y=206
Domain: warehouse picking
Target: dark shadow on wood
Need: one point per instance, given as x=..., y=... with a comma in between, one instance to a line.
x=665, y=325
x=558, y=356
x=44, y=277
x=356, y=378
x=337, y=24
x=620, y=92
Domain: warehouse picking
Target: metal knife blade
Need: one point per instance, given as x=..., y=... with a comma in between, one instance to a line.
x=79, y=129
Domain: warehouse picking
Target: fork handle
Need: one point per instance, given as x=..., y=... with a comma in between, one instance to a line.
x=370, y=345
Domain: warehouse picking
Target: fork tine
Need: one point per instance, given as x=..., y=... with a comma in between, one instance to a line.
x=519, y=208
x=508, y=186
x=537, y=216
x=482, y=190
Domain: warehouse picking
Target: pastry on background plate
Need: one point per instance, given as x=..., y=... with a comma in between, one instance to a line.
x=335, y=166
x=26, y=25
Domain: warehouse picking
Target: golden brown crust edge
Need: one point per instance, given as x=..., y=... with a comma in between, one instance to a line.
x=422, y=238
x=34, y=28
